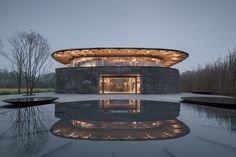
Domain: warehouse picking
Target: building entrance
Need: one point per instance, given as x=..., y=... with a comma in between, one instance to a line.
x=120, y=84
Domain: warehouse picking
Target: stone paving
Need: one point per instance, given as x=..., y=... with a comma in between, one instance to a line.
x=80, y=97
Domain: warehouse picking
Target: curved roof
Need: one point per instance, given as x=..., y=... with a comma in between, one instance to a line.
x=168, y=57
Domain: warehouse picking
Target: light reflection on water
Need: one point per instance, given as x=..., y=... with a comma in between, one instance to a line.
x=115, y=120
x=224, y=120
x=119, y=130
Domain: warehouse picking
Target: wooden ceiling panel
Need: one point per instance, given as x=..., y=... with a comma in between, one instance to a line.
x=168, y=57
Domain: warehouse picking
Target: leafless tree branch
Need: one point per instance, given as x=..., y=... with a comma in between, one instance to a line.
x=28, y=57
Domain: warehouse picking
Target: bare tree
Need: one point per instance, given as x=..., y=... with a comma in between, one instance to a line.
x=29, y=55
x=16, y=59
x=35, y=50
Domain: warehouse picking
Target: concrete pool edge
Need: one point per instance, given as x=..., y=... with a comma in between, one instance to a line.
x=81, y=97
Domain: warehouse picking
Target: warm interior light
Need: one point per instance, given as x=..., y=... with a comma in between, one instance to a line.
x=115, y=125
x=119, y=57
x=134, y=130
x=120, y=84
x=130, y=106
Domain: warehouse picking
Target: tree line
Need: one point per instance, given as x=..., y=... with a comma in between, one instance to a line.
x=218, y=77
x=8, y=80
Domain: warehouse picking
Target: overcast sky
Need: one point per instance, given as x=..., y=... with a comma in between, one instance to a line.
x=206, y=29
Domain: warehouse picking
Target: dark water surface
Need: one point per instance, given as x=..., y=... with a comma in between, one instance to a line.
x=110, y=128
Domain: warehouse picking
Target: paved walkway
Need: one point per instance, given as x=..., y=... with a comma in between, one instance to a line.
x=80, y=97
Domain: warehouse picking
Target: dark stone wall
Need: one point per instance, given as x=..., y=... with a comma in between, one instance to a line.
x=85, y=80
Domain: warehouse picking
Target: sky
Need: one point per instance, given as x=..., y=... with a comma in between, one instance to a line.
x=206, y=29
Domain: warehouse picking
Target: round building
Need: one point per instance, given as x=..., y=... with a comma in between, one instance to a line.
x=118, y=70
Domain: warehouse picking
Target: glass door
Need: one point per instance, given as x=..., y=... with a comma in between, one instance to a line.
x=119, y=84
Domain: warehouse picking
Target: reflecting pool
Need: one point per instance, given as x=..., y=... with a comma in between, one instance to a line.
x=112, y=128
x=118, y=120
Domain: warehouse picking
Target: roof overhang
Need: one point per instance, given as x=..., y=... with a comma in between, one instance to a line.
x=168, y=57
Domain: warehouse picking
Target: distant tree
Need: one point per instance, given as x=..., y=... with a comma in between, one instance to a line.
x=7, y=79
x=218, y=76
x=46, y=80
x=29, y=55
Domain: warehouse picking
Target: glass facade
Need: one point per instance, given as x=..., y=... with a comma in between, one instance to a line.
x=119, y=84
x=115, y=61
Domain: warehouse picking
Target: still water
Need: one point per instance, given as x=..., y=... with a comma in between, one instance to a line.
x=113, y=128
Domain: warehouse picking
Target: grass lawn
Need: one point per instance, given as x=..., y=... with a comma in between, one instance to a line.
x=6, y=91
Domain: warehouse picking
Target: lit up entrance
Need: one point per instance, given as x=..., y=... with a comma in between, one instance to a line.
x=120, y=84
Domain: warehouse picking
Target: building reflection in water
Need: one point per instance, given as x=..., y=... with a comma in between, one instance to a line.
x=128, y=106
x=118, y=120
